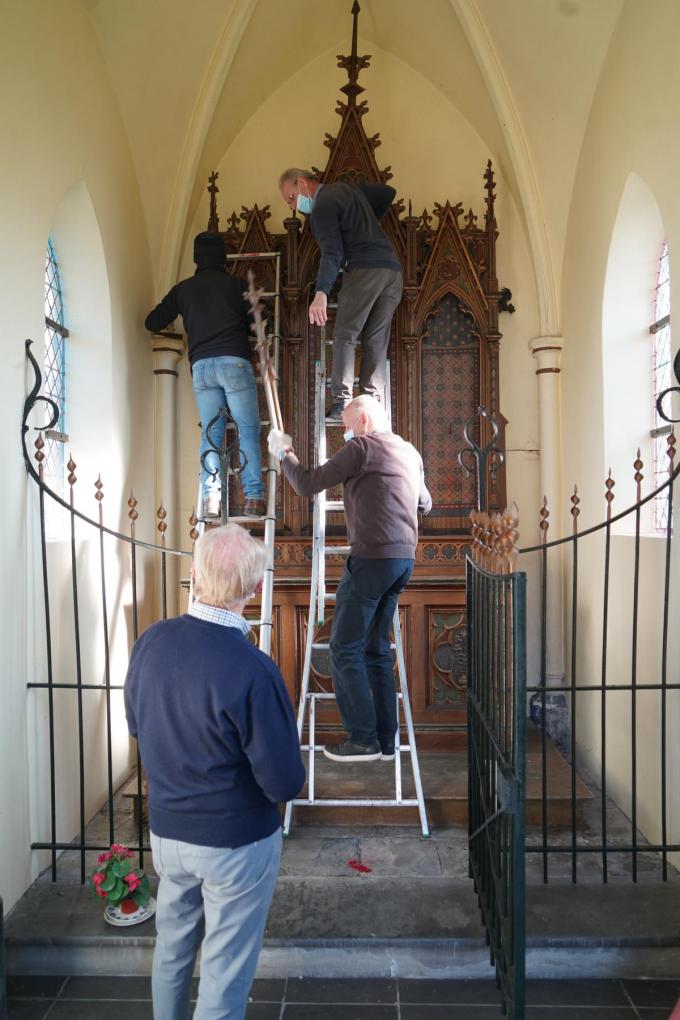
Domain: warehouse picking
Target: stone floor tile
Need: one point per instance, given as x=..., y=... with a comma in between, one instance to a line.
x=439, y=1011
x=267, y=990
x=311, y=1011
x=653, y=992
x=341, y=990
x=28, y=1009
x=100, y=1009
x=586, y=992
x=563, y=1012
x=426, y=992
x=120, y=988
x=34, y=986
x=263, y=1011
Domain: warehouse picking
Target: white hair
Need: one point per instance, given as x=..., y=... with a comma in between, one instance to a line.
x=372, y=408
x=228, y=565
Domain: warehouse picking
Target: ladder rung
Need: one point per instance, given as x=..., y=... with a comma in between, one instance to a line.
x=333, y=505
x=326, y=645
x=331, y=422
x=336, y=550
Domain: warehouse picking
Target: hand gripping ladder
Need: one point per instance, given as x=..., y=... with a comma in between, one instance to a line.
x=264, y=622
x=319, y=598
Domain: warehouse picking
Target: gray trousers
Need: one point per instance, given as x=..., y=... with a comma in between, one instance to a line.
x=367, y=301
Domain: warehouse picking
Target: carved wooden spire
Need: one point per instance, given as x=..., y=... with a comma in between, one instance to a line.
x=214, y=220
x=353, y=64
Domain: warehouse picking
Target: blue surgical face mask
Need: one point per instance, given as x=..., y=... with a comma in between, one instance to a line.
x=349, y=434
x=303, y=204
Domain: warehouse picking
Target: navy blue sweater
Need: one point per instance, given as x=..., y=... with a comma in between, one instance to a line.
x=345, y=221
x=216, y=733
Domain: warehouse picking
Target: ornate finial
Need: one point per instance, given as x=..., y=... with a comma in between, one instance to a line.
x=670, y=449
x=544, y=523
x=470, y=219
x=99, y=486
x=609, y=495
x=490, y=187
x=193, y=521
x=214, y=220
x=40, y=456
x=161, y=514
x=132, y=512
x=353, y=64
x=234, y=223
x=71, y=469
x=575, y=500
x=638, y=476
x=494, y=539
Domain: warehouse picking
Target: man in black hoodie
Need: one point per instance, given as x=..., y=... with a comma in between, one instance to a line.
x=345, y=221
x=216, y=318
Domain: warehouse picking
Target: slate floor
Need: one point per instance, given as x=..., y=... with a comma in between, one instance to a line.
x=106, y=998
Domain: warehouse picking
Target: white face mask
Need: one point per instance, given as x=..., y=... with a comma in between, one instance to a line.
x=349, y=434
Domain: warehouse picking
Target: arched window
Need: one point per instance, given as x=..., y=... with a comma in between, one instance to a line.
x=661, y=380
x=54, y=370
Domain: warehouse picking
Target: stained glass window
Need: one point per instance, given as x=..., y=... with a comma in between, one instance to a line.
x=661, y=380
x=54, y=370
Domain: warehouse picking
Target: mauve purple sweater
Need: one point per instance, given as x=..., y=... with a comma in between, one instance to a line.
x=383, y=490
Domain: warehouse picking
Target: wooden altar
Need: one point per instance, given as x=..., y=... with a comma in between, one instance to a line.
x=444, y=364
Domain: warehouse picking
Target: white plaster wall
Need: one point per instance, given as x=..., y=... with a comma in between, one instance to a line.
x=63, y=131
x=633, y=120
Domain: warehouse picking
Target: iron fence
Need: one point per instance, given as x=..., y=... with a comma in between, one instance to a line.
x=129, y=548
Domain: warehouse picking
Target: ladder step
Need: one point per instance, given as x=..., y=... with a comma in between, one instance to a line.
x=333, y=505
x=325, y=645
x=336, y=550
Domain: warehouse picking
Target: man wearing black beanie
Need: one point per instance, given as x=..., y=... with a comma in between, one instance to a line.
x=216, y=319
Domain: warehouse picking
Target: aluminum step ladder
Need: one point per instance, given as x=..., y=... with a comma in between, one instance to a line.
x=262, y=623
x=319, y=599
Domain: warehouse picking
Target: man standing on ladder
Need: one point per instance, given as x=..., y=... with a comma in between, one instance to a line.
x=383, y=490
x=217, y=322
x=345, y=221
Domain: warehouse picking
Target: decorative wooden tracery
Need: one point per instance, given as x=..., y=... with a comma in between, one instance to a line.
x=445, y=338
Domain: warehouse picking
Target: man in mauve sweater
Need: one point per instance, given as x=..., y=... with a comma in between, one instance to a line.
x=345, y=221
x=383, y=490
x=219, y=745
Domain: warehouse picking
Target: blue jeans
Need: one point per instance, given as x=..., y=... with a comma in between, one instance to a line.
x=362, y=662
x=224, y=893
x=229, y=382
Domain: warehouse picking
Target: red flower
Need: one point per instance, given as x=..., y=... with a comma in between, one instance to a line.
x=104, y=857
x=133, y=881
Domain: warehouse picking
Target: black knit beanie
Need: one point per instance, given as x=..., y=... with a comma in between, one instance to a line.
x=209, y=251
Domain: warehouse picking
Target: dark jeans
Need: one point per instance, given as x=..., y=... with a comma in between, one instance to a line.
x=367, y=301
x=362, y=662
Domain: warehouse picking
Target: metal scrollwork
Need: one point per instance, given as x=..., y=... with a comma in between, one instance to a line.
x=671, y=389
x=484, y=458
x=35, y=397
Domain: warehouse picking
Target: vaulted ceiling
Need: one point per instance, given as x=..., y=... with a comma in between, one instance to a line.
x=188, y=76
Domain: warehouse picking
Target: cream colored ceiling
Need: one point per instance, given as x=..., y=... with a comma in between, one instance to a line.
x=190, y=73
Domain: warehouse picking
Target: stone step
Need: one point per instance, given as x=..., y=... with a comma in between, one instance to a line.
x=362, y=925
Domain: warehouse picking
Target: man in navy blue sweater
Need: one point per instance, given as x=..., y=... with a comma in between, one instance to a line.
x=219, y=744
x=345, y=221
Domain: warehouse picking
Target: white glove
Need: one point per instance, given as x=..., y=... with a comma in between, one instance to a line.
x=279, y=443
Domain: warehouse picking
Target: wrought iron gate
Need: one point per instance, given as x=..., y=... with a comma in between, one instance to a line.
x=496, y=704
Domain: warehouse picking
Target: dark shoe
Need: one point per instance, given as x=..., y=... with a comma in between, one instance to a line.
x=212, y=507
x=335, y=412
x=387, y=753
x=254, y=508
x=349, y=751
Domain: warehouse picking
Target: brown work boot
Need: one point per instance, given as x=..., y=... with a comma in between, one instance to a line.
x=254, y=507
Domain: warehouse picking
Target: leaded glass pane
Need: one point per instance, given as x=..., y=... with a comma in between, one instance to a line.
x=54, y=370
x=661, y=380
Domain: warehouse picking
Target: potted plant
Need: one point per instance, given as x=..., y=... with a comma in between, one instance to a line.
x=124, y=887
